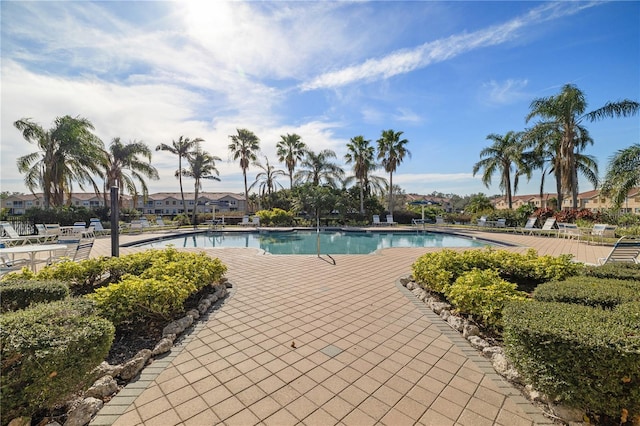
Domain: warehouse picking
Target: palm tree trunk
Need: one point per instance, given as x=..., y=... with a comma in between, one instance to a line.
x=195, y=204
x=390, y=192
x=361, y=197
x=184, y=205
x=246, y=188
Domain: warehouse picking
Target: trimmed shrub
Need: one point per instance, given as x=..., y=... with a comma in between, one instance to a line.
x=276, y=217
x=168, y=278
x=48, y=352
x=588, y=291
x=19, y=294
x=85, y=273
x=436, y=271
x=483, y=294
x=586, y=357
x=620, y=271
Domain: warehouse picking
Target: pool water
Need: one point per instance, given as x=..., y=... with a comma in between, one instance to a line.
x=306, y=242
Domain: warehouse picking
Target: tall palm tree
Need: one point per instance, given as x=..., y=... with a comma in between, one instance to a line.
x=290, y=150
x=68, y=152
x=317, y=169
x=126, y=163
x=503, y=156
x=244, y=147
x=266, y=179
x=392, y=150
x=360, y=154
x=564, y=114
x=183, y=147
x=202, y=165
x=623, y=174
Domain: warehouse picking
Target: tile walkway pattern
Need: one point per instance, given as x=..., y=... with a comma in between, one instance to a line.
x=302, y=340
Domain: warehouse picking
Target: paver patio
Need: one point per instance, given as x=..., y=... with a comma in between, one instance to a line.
x=365, y=352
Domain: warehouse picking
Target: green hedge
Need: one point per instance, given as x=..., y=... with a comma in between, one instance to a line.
x=587, y=357
x=166, y=279
x=78, y=275
x=48, y=352
x=20, y=294
x=618, y=270
x=438, y=270
x=589, y=291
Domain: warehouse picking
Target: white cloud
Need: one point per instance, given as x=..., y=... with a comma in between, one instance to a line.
x=504, y=92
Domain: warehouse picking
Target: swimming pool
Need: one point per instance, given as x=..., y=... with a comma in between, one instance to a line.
x=306, y=242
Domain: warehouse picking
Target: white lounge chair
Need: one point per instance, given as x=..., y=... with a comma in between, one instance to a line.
x=245, y=221
x=603, y=230
x=44, y=235
x=255, y=221
x=439, y=220
x=482, y=221
x=569, y=230
x=417, y=222
x=530, y=226
x=10, y=236
x=390, y=220
x=501, y=223
x=98, y=229
x=549, y=227
x=623, y=251
x=376, y=220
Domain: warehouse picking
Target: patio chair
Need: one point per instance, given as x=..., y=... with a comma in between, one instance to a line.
x=376, y=220
x=9, y=264
x=549, y=227
x=530, y=226
x=390, y=220
x=44, y=235
x=66, y=253
x=417, y=222
x=569, y=230
x=603, y=230
x=439, y=220
x=98, y=229
x=136, y=226
x=624, y=250
x=245, y=221
x=482, y=221
x=501, y=223
x=10, y=236
x=255, y=221
x=145, y=222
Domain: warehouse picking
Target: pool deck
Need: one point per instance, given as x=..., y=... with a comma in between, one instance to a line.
x=365, y=351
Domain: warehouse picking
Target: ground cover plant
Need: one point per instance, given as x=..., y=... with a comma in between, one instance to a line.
x=116, y=309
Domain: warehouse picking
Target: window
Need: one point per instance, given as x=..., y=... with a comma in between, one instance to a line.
x=174, y=203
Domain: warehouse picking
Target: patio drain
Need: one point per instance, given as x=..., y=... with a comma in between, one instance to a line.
x=331, y=351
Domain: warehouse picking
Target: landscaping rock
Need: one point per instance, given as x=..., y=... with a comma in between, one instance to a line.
x=105, y=369
x=534, y=395
x=163, y=346
x=410, y=285
x=131, y=368
x=503, y=367
x=193, y=313
x=82, y=414
x=568, y=414
x=404, y=281
x=489, y=351
x=178, y=326
x=204, y=305
x=455, y=322
x=102, y=387
x=438, y=307
x=478, y=342
x=444, y=314
x=470, y=330
x=20, y=421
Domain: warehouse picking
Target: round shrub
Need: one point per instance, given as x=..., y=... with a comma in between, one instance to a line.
x=19, y=294
x=48, y=353
x=619, y=270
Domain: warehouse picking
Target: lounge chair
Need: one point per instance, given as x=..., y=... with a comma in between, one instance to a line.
x=390, y=220
x=439, y=220
x=624, y=250
x=255, y=221
x=8, y=264
x=530, y=226
x=549, y=227
x=10, y=236
x=98, y=229
x=376, y=220
x=482, y=221
x=501, y=223
x=569, y=230
x=245, y=221
x=418, y=222
x=67, y=253
x=603, y=230
x=136, y=226
x=44, y=235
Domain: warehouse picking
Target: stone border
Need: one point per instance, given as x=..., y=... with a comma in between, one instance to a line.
x=485, y=365
x=112, y=410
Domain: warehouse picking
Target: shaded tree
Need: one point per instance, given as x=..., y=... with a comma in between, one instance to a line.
x=564, y=115
x=361, y=154
x=125, y=164
x=290, y=150
x=67, y=153
x=244, y=146
x=392, y=150
x=623, y=174
x=317, y=168
x=183, y=147
x=266, y=179
x=202, y=165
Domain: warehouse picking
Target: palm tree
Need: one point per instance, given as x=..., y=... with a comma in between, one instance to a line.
x=68, y=152
x=392, y=150
x=183, y=147
x=290, y=150
x=266, y=180
x=125, y=164
x=202, y=165
x=623, y=174
x=244, y=146
x=318, y=169
x=564, y=114
x=503, y=156
x=360, y=154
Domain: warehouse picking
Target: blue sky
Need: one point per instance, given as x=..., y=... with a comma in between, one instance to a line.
x=447, y=74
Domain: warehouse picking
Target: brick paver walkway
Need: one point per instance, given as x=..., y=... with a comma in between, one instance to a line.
x=365, y=352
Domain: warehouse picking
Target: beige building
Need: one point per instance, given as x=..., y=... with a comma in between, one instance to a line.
x=591, y=200
x=161, y=203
